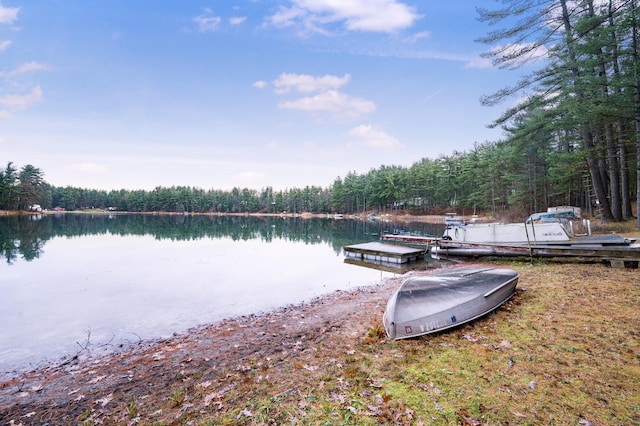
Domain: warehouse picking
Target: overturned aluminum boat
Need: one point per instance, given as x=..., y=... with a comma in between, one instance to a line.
x=436, y=302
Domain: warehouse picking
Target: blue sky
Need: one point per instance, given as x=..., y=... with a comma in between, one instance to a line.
x=250, y=93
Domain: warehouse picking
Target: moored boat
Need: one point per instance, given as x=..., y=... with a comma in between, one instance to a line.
x=550, y=234
x=537, y=229
x=431, y=303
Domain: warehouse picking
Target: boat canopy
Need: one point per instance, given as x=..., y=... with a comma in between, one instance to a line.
x=552, y=216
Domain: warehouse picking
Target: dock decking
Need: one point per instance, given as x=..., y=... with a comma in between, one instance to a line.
x=627, y=255
x=413, y=239
x=380, y=252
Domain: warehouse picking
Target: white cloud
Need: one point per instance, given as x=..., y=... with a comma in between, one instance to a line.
x=22, y=101
x=4, y=44
x=237, y=20
x=5, y=115
x=526, y=53
x=207, y=23
x=260, y=84
x=354, y=15
x=29, y=67
x=479, y=62
x=534, y=51
x=333, y=102
x=303, y=83
x=8, y=14
x=374, y=137
x=286, y=17
x=417, y=36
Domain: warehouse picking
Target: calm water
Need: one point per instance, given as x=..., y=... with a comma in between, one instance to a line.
x=69, y=279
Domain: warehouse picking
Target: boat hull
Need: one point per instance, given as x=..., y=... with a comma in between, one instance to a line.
x=436, y=302
x=509, y=233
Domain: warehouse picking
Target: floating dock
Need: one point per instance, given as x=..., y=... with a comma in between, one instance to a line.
x=396, y=268
x=412, y=239
x=383, y=253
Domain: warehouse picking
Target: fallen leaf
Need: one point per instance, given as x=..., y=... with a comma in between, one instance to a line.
x=96, y=380
x=245, y=413
x=471, y=339
x=210, y=397
x=466, y=419
x=377, y=383
x=303, y=404
x=375, y=410
x=104, y=401
x=505, y=344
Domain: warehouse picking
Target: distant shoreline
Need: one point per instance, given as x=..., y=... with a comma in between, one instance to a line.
x=436, y=219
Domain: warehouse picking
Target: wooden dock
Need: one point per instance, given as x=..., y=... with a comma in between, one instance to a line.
x=396, y=268
x=613, y=249
x=618, y=255
x=385, y=253
x=411, y=239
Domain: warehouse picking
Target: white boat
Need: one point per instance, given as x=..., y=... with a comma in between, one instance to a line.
x=537, y=229
x=431, y=303
x=549, y=234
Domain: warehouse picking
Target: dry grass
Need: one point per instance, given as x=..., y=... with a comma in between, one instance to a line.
x=565, y=350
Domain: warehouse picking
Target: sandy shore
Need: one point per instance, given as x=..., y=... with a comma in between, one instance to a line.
x=92, y=381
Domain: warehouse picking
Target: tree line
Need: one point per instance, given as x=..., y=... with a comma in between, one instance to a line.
x=20, y=191
x=573, y=139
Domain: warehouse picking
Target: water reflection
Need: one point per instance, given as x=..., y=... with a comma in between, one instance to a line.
x=25, y=236
x=125, y=277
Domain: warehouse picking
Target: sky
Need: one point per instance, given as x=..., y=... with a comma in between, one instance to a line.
x=124, y=94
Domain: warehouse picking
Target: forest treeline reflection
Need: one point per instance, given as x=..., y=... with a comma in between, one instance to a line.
x=24, y=237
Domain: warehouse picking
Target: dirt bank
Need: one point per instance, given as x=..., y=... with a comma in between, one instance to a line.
x=101, y=386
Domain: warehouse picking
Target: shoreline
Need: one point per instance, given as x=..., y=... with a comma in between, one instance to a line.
x=90, y=352
x=402, y=217
x=278, y=336
x=317, y=360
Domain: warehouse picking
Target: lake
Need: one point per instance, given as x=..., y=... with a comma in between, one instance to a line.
x=70, y=280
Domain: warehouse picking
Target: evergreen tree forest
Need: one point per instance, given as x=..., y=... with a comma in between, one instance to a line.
x=572, y=139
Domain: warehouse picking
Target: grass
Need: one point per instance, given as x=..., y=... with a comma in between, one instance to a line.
x=565, y=350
